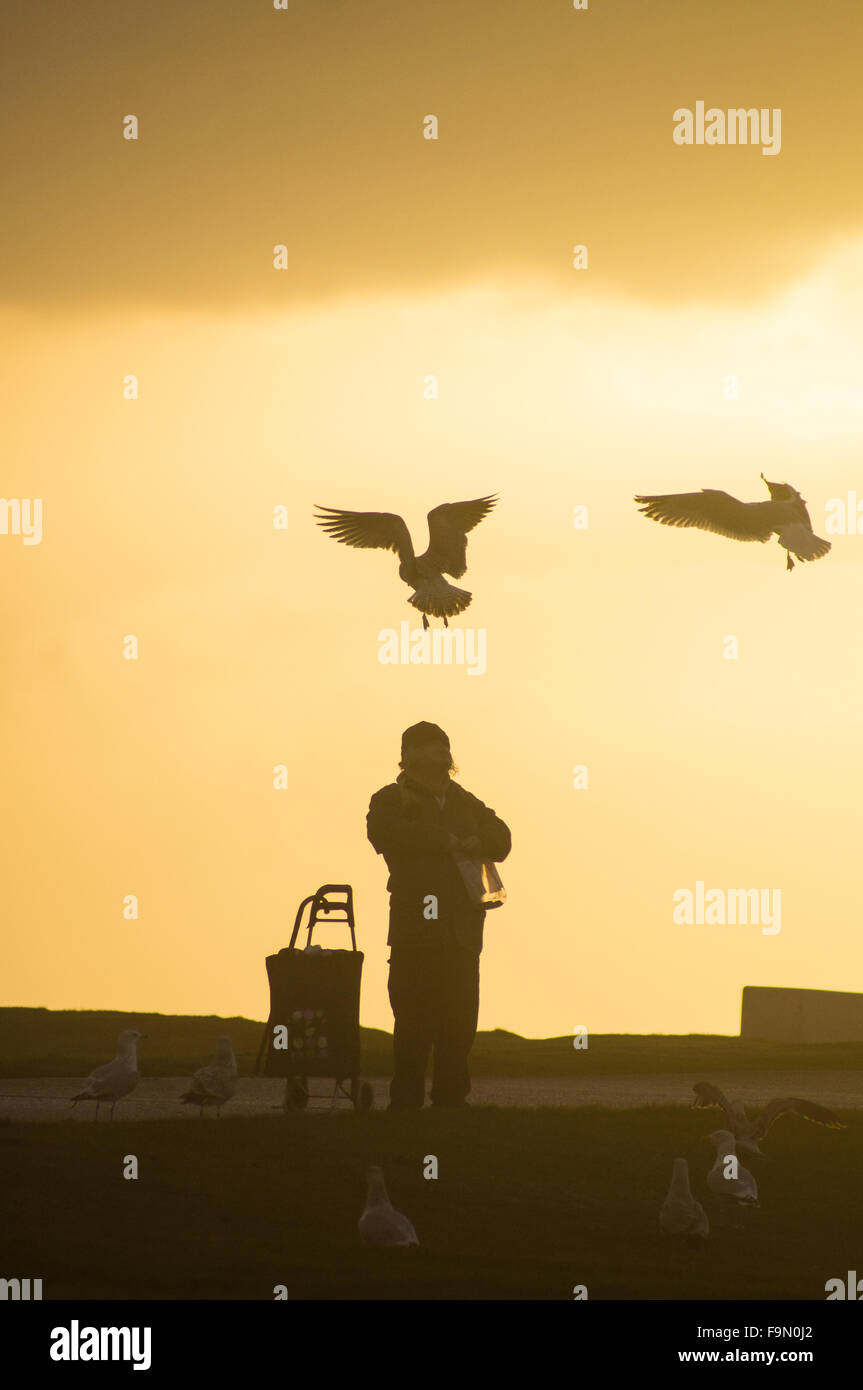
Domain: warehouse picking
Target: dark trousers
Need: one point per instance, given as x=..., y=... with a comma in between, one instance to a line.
x=434, y=993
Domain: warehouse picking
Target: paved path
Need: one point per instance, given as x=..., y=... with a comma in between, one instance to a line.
x=45, y=1099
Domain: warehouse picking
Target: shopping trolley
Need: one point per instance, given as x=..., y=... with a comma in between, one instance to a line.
x=313, y=1029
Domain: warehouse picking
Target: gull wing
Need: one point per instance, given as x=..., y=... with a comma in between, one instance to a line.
x=818, y=1114
x=213, y=1082
x=386, y=1226
x=680, y=1216
x=114, y=1080
x=710, y=510
x=367, y=530
x=747, y=1186
x=102, y=1073
x=448, y=528
x=706, y=1095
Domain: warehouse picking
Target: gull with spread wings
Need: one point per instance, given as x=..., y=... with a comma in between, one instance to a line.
x=446, y=553
x=749, y=1133
x=711, y=510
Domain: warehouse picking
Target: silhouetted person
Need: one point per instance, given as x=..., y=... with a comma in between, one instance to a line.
x=435, y=934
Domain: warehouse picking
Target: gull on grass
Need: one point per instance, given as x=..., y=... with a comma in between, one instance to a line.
x=116, y=1079
x=215, y=1083
x=680, y=1215
x=380, y=1223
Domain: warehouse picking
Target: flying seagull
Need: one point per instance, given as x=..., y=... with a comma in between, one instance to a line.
x=736, y=1190
x=711, y=510
x=680, y=1214
x=749, y=1133
x=115, y=1079
x=446, y=553
x=380, y=1223
x=216, y=1083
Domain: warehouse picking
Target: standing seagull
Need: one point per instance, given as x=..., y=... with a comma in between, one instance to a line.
x=215, y=1083
x=740, y=1191
x=749, y=1133
x=115, y=1079
x=711, y=510
x=380, y=1223
x=680, y=1214
x=446, y=553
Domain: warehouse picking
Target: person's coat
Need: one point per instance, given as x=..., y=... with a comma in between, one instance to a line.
x=429, y=904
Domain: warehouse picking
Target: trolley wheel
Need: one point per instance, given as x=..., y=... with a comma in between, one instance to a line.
x=362, y=1094
x=296, y=1094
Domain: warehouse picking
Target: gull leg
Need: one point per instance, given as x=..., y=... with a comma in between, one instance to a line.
x=789, y=563
x=425, y=621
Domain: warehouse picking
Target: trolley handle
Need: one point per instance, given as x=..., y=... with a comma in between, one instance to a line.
x=320, y=907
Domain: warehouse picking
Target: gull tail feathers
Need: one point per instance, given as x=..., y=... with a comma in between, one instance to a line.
x=440, y=599
x=802, y=542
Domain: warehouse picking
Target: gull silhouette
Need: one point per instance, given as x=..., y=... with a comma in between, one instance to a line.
x=734, y=1185
x=710, y=510
x=446, y=553
x=109, y=1083
x=680, y=1214
x=749, y=1133
x=215, y=1083
x=380, y=1223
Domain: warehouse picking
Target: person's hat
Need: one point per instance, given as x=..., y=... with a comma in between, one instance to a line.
x=423, y=732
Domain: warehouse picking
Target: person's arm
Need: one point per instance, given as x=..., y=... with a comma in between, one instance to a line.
x=495, y=841
x=391, y=831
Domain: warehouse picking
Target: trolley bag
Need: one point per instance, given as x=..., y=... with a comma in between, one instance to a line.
x=315, y=997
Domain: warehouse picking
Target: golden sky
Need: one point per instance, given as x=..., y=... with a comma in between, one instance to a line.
x=557, y=387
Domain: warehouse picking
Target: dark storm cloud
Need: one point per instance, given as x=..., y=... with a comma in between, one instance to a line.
x=305, y=127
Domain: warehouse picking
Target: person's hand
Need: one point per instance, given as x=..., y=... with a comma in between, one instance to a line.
x=453, y=843
x=471, y=845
